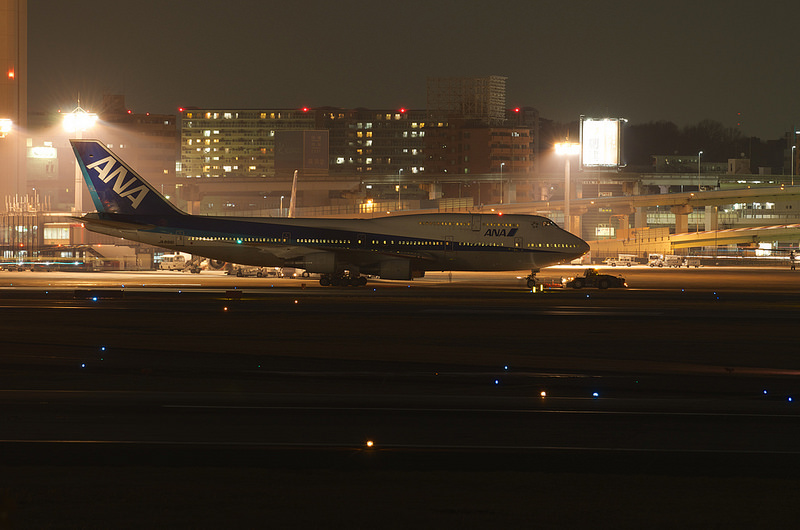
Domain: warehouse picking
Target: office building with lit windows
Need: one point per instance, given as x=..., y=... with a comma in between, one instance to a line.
x=225, y=153
x=375, y=141
x=218, y=143
x=232, y=144
x=235, y=144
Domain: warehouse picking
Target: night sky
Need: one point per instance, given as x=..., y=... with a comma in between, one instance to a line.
x=681, y=61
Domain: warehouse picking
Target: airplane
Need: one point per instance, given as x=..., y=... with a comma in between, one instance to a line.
x=341, y=251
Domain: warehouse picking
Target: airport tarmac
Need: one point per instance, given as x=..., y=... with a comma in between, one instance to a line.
x=761, y=279
x=214, y=399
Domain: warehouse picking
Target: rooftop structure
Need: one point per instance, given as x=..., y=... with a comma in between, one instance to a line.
x=469, y=98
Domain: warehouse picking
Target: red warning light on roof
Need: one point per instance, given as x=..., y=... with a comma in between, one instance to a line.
x=402, y=111
x=130, y=111
x=181, y=109
x=11, y=74
x=516, y=109
x=305, y=109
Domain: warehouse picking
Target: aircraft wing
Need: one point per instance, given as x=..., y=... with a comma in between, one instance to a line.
x=93, y=220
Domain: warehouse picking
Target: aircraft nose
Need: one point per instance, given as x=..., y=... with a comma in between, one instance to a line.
x=583, y=246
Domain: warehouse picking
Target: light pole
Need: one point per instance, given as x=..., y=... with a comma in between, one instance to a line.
x=282, y=205
x=399, y=186
x=700, y=154
x=567, y=149
x=794, y=147
x=501, y=181
x=76, y=122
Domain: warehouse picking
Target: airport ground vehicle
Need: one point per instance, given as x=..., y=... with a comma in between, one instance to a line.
x=179, y=261
x=173, y=262
x=623, y=260
x=13, y=267
x=259, y=272
x=655, y=260
x=592, y=278
x=291, y=272
x=673, y=261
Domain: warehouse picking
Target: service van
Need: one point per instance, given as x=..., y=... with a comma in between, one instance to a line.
x=673, y=261
x=655, y=260
x=623, y=260
x=173, y=262
x=693, y=262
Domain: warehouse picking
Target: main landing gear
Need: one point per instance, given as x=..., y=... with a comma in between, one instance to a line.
x=342, y=280
x=532, y=278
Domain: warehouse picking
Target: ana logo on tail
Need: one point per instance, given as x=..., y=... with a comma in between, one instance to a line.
x=106, y=172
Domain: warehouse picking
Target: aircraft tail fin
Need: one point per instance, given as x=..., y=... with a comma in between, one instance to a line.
x=114, y=186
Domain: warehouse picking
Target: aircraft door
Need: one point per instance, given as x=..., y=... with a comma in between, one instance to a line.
x=517, y=242
x=448, y=245
x=286, y=237
x=476, y=222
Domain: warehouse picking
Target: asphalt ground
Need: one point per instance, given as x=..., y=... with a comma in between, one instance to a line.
x=197, y=401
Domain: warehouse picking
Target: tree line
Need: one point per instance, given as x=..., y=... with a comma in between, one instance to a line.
x=641, y=141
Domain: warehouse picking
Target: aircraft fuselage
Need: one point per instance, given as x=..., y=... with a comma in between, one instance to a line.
x=457, y=242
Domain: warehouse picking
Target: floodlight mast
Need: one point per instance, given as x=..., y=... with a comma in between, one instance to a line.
x=5, y=127
x=567, y=149
x=794, y=148
x=76, y=122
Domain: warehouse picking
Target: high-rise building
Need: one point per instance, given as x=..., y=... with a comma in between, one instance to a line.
x=482, y=99
x=474, y=134
x=13, y=93
x=14, y=61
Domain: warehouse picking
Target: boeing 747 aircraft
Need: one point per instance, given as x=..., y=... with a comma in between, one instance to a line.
x=400, y=247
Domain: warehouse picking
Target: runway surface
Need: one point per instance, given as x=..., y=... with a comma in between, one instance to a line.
x=683, y=385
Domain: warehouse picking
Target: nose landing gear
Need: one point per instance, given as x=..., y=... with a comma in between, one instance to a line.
x=532, y=278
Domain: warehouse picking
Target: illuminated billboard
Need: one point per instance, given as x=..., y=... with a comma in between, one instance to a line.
x=600, y=142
